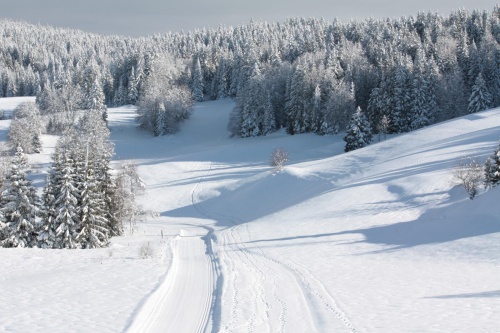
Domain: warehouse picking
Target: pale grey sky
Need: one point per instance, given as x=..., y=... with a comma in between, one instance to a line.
x=147, y=17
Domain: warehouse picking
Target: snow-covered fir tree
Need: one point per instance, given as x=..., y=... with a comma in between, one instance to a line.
x=79, y=196
x=197, y=86
x=269, y=121
x=423, y=97
x=359, y=133
x=19, y=206
x=480, y=97
x=254, y=106
x=317, y=116
x=402, y=101
x=92, y=91
x=93, y=228
x=492, y=169
x=46, y=230
x=133, y=87
x=379, y=57
x=67, y=212
x=294, y=107
x=160, y=120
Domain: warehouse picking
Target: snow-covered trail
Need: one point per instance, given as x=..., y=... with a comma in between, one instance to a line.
x=375, y=240
x=183, y=301
x=252, y=292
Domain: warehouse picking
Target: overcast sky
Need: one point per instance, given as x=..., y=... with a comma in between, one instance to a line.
x=147, y=17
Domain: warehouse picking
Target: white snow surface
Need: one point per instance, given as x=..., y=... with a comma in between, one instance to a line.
x=376, y=240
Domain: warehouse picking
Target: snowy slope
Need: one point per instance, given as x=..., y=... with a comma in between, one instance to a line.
x=375, y=240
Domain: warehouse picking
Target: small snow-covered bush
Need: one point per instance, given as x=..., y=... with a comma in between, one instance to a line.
x=145, y=251
x=468, y=174
x=278, y=158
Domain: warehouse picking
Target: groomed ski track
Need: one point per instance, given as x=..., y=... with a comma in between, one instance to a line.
x=215, y=283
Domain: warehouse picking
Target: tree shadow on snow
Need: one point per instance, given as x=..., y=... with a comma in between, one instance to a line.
x=449, y=222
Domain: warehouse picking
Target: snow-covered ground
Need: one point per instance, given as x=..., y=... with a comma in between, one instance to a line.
x=375, y=240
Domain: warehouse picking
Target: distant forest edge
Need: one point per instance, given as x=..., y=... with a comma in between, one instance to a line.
x=305, y=75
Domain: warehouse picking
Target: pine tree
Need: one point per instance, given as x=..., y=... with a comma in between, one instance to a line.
x=197, y=85
x=109, y=188
x=381, y=102
x=494, y=71
x=384, y=127
x=46, y=229
x=402, y=101
x=66, y=220
x=249, y=119
x=423, y=103
x=421, y=111
x=160, y=120
x=480, y=97
x=359, y=132
x=294, y=106
x=492, y=169
x=132, y=91
x=18, y=205
x=92, y=89
x=220, y=88
x=120, y=95
x=37, y=143
x=474, y=66
x=316, y=110
x=93, y=227
x=269, y=122
x=253, y=103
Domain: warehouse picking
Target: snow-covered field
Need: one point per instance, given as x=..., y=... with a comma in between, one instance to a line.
x=375, y=240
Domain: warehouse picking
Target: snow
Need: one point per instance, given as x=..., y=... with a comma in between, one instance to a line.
x=375, y=240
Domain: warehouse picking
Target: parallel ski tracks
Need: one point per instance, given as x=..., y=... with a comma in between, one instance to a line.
x=268, y=271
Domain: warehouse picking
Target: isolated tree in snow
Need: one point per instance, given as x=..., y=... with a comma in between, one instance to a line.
x=278, y=158
x=359, y=133
x=18, y=205
x=480, y=97
x=468, y=174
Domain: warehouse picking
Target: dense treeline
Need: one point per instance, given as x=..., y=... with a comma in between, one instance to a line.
x=362, y=78
x=305, y=75
x=84, y=202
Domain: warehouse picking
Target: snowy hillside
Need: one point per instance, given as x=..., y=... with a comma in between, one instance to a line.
x=375, y=240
